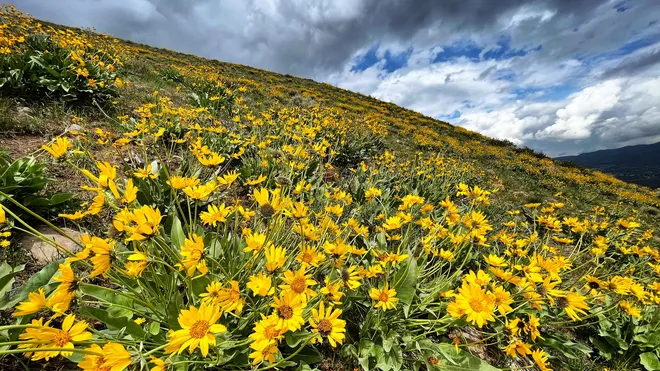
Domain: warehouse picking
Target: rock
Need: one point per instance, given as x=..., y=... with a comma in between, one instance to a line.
x=74, y=127
x=43, y=252
x=23, y=114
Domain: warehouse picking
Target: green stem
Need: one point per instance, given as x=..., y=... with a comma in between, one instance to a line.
x=38, y=350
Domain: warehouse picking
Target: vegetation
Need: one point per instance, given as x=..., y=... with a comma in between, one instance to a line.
x=240, y=219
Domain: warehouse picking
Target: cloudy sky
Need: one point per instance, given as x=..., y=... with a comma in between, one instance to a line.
x=560, y=76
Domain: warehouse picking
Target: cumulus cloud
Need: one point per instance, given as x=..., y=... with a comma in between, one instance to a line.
x=561, y=76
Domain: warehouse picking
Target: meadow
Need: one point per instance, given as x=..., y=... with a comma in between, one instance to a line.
x=233, y=218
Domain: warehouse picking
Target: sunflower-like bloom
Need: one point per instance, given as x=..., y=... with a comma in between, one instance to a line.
x=474, y=302
x=351, y=278
x=192, y=252
x=385, y=298
x=326, y=323
x=573, y=304
x=230, y=298
x=112, y=357
x=200, y=192
x=275, y=258
x=255, y=242
x=516, y=348
x=139, y=224
x=268, y=206
x=59, y=147
x=48, y=337
x=299, y=283
x=289, y=310
x=265, y=337
x=541, y=360
x=178, y=182
x=215, y=214
x=197, y=329
x=308, y=256
x=261, y=285
x=35, y=303
x=332, y=291
x=503, y=300
x=210, y=297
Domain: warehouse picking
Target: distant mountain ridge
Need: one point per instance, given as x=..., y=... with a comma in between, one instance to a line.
x=639, y=164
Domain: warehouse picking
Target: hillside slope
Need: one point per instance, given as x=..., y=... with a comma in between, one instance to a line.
x=235, y=218
x=638, y=164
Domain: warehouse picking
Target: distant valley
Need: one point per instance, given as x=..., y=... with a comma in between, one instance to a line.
x=638, y=164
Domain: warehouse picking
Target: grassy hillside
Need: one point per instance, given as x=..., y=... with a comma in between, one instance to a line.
x=236, y=218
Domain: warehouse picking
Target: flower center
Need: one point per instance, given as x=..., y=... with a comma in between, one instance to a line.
x=267, y=210
x=562, y=302
x=61, y=339
x=383, y=297
x=298, y=285
x=271, y=332
x=307, y=257
x=199, y=329
x=98, y=363
x=594, y=285
x=325, y=327
x=476, y=305
x=233, y=295
x=285, y=311
x=345, y=276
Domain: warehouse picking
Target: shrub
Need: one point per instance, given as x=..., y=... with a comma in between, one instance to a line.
x=24, y=179
x=41, y=69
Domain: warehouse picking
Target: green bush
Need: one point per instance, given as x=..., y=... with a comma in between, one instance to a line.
x=42, y=70
x=24, y=180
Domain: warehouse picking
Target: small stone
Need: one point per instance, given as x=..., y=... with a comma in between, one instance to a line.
x=23, y=114
x=74, y=127
x=43, y=252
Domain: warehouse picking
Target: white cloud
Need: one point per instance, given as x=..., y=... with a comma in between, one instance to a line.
x=575, y=121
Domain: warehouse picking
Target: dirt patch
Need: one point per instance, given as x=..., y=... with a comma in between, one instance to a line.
x=21, y=145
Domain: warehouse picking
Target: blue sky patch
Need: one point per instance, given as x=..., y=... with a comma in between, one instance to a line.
x=504, y=50
x=467, y=49
x=395, y=61
x=366, y=60
x=392, y=61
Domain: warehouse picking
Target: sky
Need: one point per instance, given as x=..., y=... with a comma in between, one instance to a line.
x=560, y=76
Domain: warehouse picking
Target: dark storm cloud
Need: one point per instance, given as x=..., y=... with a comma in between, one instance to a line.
x=561, y=76
x=633, y=65
x=306, y=38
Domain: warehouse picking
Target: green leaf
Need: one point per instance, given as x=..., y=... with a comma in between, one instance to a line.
x=154, y=328
x=650, y=361
x=176, y=233
x=118, y=305
x=293, y=339
x=38, y=280
x=364, y=352
x=603, y=347
x=7, y=274
x=114, y=323
x=308, y=355
x=405, y=284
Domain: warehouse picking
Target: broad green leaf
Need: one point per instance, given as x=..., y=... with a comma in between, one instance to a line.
x=308, y=355
x=118, y=305
x=293, y=339
x=114, y=323
x=405, y=284
x=176, y=233
x=154, y=328
x=7, y=274
x=650, y=361
x=39, y=279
